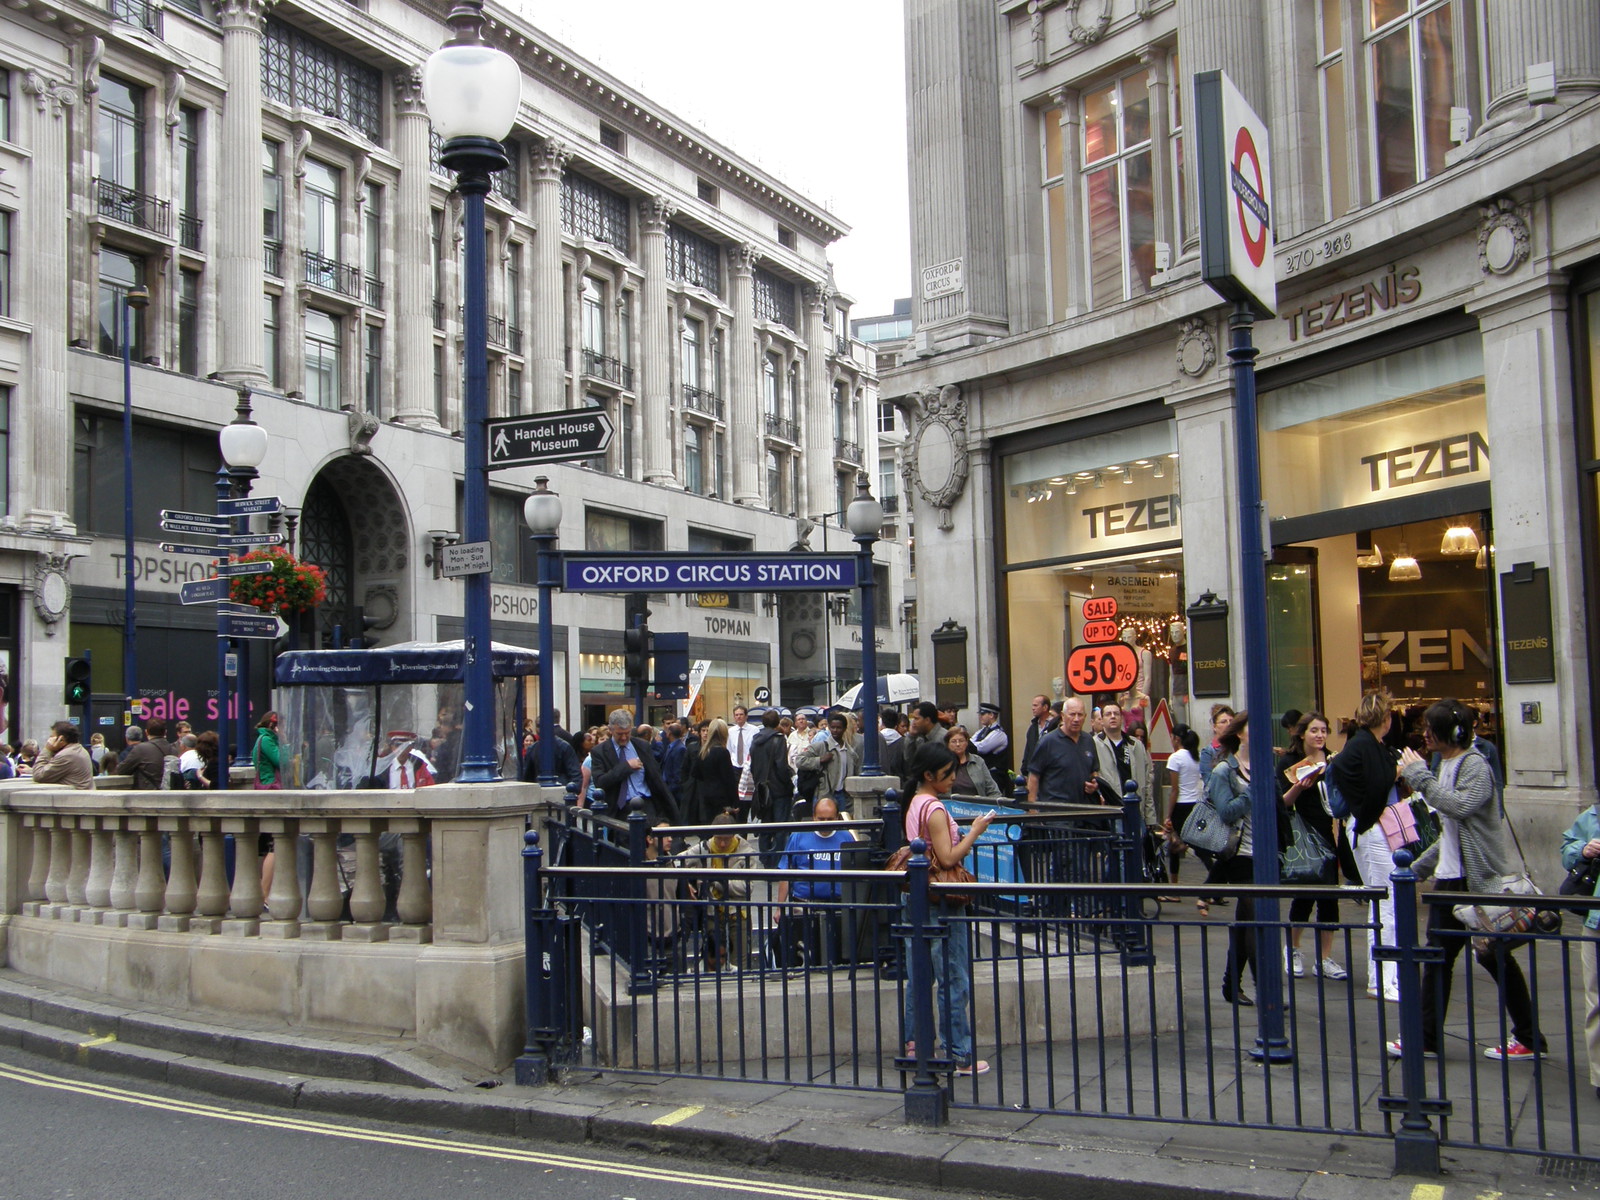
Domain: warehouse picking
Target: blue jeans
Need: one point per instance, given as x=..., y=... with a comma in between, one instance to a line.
x=952, y=977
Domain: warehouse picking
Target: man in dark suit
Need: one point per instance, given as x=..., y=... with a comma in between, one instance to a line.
x=1038, y=726
x=625, y=772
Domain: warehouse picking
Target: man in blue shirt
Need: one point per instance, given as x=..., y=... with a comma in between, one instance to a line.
x=820, y=850
x=625, y=772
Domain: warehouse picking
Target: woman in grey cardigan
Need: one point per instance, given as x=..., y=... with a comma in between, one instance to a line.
x=1471, y=855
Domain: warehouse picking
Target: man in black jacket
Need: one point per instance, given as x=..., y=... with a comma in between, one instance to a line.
x=625, y=771
x=891, y=746
x=769, y=771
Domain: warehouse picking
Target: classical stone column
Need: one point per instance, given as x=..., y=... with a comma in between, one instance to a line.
x=413, y=258
x=819, y=405
x=745, y=438
x=1565, y=33
x=547, y=355
x=44, y=425
x=655, y=375
x=240, y=270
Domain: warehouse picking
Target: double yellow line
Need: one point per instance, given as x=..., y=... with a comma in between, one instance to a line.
x=540, y=1158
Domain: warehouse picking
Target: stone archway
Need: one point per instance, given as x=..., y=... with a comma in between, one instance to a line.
x=355, y=526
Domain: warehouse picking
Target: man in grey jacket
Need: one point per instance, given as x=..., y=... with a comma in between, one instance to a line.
x=1123, y=758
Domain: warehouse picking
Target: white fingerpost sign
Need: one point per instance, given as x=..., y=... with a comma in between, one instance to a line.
x=1236, y=244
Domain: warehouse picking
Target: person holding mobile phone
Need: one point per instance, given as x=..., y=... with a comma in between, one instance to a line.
x=1302, y=786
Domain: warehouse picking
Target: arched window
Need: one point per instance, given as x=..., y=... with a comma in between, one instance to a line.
x=325, y=540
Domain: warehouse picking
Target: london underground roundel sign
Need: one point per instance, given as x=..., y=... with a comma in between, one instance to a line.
x=1236, y=244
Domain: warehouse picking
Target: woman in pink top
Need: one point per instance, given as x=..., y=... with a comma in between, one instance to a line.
x=931, y=774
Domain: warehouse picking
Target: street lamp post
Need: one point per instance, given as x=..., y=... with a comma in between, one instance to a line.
x=472, y=93
x=244, y=447
x=865, y=518
x=137, y=298
x=542, y=512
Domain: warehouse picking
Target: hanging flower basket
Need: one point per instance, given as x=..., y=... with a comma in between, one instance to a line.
x=291, y=586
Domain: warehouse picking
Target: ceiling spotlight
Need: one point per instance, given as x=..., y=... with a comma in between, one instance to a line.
x=1459, y=541
x=1099, y=480
x=1482, y=561
x=1127, y=474
x=1404, y=568
x=1367, y=552
x=1160, y=472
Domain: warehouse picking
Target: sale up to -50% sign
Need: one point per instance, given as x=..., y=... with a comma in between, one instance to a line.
x=1106, y=664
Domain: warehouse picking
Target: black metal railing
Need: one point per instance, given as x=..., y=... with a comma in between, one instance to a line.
x=372, y=288
x=702, y=401
x=841, y=347
x=138, y=12
x=139, y=209
x=783, y=428
x=331, y=275
x=891, y=504
x=272, y=258
x=189, y=230
x=516, y=339
x=612, y=370
x=497, y=331
x=848, y=452
x=1082, y=970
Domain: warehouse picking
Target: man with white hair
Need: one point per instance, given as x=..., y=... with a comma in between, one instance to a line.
x=627, y=772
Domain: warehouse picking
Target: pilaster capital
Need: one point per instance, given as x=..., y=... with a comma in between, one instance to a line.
x=49, y=94
x=742, y=259
x=243, y=16
x=408, y=93
x=817, y=296
x=654, y=213
x=550, y=159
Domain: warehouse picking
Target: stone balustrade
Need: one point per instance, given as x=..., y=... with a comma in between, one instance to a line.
x=138, y=894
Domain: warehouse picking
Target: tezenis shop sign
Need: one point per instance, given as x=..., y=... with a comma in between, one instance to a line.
x=1398, y=286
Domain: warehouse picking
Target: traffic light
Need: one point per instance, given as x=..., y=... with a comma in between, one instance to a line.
x=78, y=681
x=636, y=655
x=671, y=653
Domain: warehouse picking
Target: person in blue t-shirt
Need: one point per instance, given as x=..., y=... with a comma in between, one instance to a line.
x=815, y=851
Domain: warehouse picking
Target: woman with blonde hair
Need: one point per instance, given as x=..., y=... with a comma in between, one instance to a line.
x=716, y=779
x=1363, y=774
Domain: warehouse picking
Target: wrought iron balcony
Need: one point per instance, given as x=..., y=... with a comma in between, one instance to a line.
x=332, y=275
x=783, y=428
x=438, y=314
x=516, y=339
x=497, y=331
x=891, y=504
x=612, y=370
x=374, y=291
x=189, y=227
x=137, y=12
x=841, y=347
x=701, y=401
x=139, y=209
x=272, y=256
x=847, y=452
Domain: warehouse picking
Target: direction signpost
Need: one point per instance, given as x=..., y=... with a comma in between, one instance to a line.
x=236, y=541
x=549, y=437
x=228, y=570
x=205, y=591
x=248, y=506
x=266, y=627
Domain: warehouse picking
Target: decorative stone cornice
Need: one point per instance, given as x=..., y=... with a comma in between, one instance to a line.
x=49, y=94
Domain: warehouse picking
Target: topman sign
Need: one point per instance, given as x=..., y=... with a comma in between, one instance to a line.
x=709, y=572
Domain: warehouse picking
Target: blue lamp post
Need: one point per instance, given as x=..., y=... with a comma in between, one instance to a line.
x=244, y=448
x=136, y=299
x=542, y=512
x=865, y=518
x=472, y=93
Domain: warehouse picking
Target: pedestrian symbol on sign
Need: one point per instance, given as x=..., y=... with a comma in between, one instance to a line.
x=502, y=444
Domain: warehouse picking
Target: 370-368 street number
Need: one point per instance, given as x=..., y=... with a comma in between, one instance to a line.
x=1106, y=668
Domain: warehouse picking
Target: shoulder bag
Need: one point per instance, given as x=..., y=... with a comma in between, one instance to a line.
x=1580, y=881
x=900, y=860
x=1511, y=918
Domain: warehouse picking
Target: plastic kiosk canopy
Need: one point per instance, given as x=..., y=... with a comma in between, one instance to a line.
x=344, y=715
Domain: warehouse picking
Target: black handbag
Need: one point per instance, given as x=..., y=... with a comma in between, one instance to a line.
x=1580, y=881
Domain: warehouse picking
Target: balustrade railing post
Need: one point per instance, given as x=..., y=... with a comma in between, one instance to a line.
x=1416, y=1142
x=283, y=903
x=149, y=884
x=124, y=871
x=55, y=882
x=642, y=980
x=533, y=1064
x=927, y=1103
x=1136, y=945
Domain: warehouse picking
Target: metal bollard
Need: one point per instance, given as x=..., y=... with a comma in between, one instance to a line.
x=533, y=1064
x=927, y=1103
x=1416, y=1142
x=1135, y=939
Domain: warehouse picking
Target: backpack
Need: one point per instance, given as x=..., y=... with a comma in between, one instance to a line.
x=171, y=777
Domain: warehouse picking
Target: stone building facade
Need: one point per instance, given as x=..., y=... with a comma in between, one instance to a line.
x=1427, y=384
x=268, y=174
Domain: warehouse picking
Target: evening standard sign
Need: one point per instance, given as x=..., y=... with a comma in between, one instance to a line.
x=709, y=572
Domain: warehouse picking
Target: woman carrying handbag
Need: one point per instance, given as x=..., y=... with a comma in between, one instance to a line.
x=1471, y=855
x=1228, y=789
x=1363, y=774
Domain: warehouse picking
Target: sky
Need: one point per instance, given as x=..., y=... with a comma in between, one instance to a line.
x=813, y=94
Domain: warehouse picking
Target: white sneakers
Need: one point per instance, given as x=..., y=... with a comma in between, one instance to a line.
x=1293, y=962
x=1329, y=969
